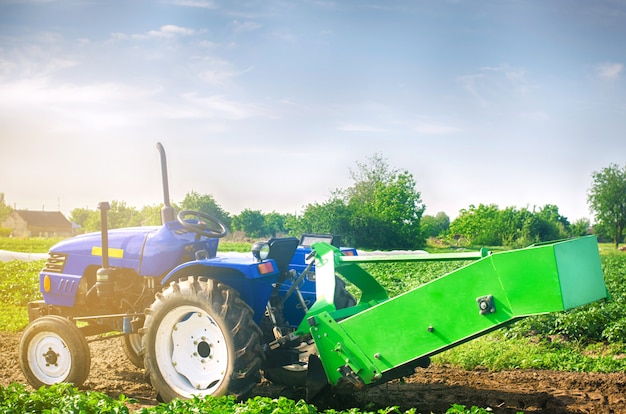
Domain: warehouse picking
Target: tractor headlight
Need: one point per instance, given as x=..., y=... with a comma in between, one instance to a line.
x=260, y=250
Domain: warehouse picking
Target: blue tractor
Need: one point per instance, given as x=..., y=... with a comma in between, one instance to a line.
x=199, y=322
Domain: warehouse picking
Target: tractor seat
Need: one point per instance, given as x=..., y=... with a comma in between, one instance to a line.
x=282, y=250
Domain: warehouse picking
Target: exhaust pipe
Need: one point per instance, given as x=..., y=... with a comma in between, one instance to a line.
x=167, y=212
x=104, y=280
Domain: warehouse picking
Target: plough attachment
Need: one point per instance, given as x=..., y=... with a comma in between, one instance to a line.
x=383, y=338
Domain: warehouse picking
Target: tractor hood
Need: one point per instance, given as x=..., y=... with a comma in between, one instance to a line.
x=151, y=251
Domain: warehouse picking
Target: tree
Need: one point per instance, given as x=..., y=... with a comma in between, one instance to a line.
x=274, y=223
x=151, y=215
x=385, y=208
x=80, y=216
x=479, y=225
x=331, y=217
x=251, y=222
x=206, y=204
x=607, y=200
x=5, y=209
x=121, y=215
x=580, y=227
x=434, y=226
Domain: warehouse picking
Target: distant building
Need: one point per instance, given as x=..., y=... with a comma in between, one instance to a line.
x=25, y=223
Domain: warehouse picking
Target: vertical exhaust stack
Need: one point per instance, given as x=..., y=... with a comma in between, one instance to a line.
x=167, y=212
x=104, y=280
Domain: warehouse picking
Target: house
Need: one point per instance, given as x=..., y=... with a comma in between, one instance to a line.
x=26, y=223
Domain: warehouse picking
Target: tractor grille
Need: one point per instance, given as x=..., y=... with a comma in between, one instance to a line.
x=55, y=263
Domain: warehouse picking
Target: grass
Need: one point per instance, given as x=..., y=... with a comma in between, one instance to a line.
x=496, y=352
x=28, y=244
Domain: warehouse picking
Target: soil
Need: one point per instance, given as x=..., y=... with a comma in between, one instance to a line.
x=433, y=389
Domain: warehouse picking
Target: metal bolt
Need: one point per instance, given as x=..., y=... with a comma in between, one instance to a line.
x=377, y=355
x=431, y=329
x=203, y=360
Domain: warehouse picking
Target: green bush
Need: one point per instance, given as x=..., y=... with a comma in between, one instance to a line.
x=19, y=282
x=60, y=398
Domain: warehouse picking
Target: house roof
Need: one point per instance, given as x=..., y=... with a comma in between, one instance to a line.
x=44, y=218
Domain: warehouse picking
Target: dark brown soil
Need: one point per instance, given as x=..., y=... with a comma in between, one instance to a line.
x=433, y=389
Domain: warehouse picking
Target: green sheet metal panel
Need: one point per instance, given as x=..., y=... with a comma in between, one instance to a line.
x=445, y=312
x=581, y=272
x=429, y=318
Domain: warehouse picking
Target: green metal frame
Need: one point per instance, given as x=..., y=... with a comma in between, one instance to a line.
x=373, y=340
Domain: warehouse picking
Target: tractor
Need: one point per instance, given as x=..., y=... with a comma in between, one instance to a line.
x=207, y=323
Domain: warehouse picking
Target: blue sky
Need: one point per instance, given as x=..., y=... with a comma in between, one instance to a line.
x=267, y=105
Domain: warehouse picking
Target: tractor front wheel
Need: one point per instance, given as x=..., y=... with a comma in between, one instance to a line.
x=199, y=339
x=53, y=350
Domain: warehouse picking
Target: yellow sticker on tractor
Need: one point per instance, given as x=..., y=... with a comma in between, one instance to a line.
x=117, y=253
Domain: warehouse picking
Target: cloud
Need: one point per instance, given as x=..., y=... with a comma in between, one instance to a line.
x=435, y=129
x=348, y=127
x=491, y=83
x=218, y=107
x=609, y=71
x=169, y=31
x=221, y=77
x=202, y=4
x=247, y=26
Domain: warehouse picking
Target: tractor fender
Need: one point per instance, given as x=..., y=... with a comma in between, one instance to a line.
x=253, y=280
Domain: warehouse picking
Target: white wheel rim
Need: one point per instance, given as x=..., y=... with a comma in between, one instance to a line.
x=191, y=351
x=49, y=358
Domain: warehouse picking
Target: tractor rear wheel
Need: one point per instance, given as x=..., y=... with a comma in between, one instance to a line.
x=53, y=350
x=199, y=339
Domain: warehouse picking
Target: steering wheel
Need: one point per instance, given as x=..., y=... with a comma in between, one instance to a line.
x=204, y=225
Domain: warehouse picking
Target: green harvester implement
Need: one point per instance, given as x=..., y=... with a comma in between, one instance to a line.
x=382, y=338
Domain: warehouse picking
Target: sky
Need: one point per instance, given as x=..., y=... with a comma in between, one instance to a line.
x=268, y=105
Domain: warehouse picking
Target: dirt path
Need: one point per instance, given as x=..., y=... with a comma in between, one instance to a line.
x=431, y=390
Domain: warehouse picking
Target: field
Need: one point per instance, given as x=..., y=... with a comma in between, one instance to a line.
x=505, y=372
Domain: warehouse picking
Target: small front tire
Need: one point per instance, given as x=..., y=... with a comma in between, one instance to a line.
x=53, y=350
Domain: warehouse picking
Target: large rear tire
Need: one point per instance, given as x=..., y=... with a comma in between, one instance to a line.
x=199, y=339
x=53, y=350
